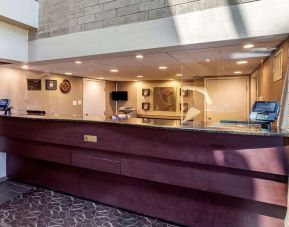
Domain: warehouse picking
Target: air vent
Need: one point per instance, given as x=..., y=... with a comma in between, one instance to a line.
x=4, y=63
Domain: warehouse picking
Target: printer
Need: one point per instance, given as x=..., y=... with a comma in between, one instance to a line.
x=127, y=111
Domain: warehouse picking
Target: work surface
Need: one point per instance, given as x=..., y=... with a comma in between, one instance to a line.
x=239, y=129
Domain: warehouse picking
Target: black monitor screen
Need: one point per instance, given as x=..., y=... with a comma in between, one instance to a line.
x=4, y=103
x=119, y=95
x=265, y=107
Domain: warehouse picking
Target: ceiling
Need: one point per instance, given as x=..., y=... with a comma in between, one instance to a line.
x=191, y=63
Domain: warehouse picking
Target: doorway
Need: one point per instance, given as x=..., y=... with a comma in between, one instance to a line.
x=230, y=99
x=93, y=97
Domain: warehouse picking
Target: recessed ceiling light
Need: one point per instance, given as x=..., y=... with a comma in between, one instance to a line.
x=238, y=72
x=207, y=60
x=67, y=73
x=248, y=46
x=139, y=56
x=114, y=70
x=179, y=74
x=78, y=62
x=25, y=67
x=163, y=67
x=242, y=62
x=139, y=76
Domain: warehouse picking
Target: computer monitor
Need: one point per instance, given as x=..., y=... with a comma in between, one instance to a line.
x=4, y=104
x=265, y=112
x=119, y=95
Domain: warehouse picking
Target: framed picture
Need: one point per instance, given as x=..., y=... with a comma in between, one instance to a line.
x=146, y=106
x=184, y=93
x=51, y=85
x=33, y=84
x=278, y=66
x=146, y=92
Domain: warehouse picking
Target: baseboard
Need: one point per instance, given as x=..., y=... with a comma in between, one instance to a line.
x=3, y=179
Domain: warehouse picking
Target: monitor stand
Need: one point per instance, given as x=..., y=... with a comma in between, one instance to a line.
x=7, y=111
x=266, y=126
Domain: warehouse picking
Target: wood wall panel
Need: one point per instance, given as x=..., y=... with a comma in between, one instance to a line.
x=237, y=180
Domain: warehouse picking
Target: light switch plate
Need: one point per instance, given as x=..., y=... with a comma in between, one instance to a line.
x=74, y=102
x=90, y=138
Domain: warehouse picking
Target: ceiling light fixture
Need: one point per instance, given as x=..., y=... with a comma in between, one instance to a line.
x=238, y=72
x=208, y=60
x=179, y=74
x=25, y=67
x=163, y=67
x=248, y=46
x=139, y=76
x=114, y=70
x=139, y=56
x=242, y=62
x=68, y=74
x=78, y=62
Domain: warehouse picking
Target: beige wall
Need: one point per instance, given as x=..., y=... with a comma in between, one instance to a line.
x=109, y=104
x=196, y=99
x=135, y=97
x=267, y=88
x=131, y=87
x=14, y=86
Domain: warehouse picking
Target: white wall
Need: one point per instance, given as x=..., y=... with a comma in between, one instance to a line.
x=257, y=19
x=13, y=43
x=21, y=11
x=2, y=165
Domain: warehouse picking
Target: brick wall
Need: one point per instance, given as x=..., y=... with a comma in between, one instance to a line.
x=59, y=17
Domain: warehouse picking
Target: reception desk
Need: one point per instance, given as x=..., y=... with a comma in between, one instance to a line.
x=193, y=175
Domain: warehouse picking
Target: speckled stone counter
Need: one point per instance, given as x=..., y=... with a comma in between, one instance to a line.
x=239, y=129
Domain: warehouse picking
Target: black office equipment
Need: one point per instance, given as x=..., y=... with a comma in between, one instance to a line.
x=119, y=95
x=264, y=113
x=36, y=112
x=4, y=106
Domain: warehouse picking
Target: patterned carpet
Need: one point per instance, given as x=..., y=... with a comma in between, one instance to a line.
x=41, y=207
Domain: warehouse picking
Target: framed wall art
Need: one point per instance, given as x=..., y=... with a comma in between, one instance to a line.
x=33, y=84
x=51, y=85
x=146, y=92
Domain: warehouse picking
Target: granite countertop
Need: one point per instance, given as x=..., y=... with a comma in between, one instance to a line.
x=239, y=129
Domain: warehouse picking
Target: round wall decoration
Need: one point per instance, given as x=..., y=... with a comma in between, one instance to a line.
x=65, y=86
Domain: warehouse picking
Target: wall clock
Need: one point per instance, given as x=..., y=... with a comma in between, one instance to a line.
x=65, y=86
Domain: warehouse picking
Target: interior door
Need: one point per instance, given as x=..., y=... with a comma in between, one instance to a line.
x=93, y=97
x=230, y=99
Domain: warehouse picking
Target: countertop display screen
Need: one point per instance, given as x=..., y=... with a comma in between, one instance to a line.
x=4, y=103
x=119, y=95
x=265, y=107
